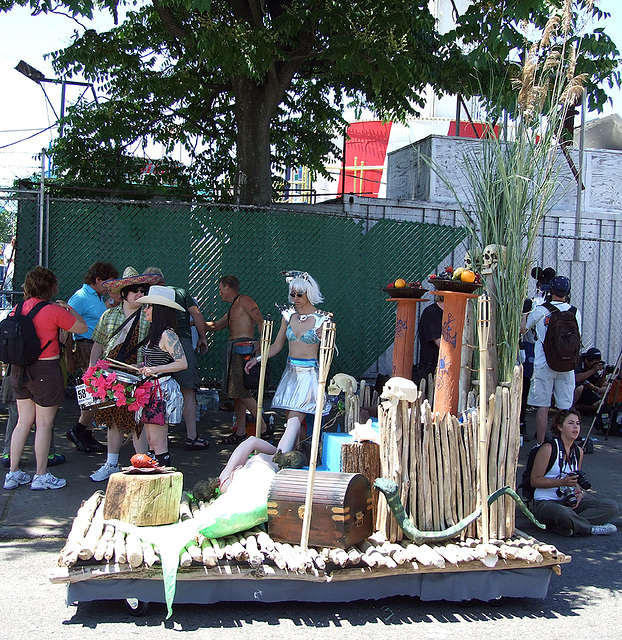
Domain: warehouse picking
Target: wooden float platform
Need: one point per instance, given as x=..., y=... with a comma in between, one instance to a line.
x=452, y=571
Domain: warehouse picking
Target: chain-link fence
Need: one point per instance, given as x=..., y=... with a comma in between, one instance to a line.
x=352, y=258
x=353, y=250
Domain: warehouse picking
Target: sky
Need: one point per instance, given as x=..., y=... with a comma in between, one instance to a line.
x=27, y=119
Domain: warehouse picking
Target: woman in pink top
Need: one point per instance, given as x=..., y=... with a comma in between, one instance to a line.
x=40, y=389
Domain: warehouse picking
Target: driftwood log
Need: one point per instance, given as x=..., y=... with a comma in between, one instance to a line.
x=363, y=458
x=145, y=499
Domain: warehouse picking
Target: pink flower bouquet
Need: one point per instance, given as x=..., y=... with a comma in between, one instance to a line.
x=106, y=385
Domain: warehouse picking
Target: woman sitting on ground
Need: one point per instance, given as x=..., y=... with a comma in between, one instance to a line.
x=559, y=501
x=163, y=354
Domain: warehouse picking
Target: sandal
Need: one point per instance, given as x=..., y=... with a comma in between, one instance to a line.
x=196, y=444
x=233, y=438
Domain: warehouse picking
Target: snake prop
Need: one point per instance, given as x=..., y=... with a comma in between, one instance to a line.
x=390, y=491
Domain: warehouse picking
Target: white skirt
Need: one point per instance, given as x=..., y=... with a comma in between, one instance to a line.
x=297, y=390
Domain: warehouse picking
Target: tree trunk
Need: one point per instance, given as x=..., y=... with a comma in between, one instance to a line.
x=253, y=115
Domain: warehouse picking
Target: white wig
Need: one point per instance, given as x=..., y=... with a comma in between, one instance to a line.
x=302, y=282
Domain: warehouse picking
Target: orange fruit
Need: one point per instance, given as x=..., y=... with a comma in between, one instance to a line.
x=467, y=276
x=400, y=283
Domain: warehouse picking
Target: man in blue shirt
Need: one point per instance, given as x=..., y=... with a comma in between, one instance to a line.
x=89, y=302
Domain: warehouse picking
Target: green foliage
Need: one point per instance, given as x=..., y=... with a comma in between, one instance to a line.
x=250, y=87
x=7, y=225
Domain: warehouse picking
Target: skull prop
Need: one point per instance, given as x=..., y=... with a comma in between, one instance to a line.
x=396, y=389
x=493, y=254
x=473, y=260
x=342, y=382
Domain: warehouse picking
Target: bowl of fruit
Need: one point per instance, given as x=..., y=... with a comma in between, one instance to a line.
x=460, y=279
x=402, y=289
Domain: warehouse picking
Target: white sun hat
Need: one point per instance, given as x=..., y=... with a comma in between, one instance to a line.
x=164, y=296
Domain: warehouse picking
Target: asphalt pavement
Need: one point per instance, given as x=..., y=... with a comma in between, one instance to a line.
x=583, y=602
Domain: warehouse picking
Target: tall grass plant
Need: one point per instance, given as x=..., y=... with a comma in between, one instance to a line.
x=513, y=183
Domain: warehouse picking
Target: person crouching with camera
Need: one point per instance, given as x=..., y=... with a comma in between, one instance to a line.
x=561, y=498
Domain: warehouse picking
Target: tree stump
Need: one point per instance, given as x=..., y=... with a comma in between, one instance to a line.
x=364, y=458
x=144, y=499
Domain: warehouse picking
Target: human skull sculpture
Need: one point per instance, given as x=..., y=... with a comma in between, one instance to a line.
x=342, y=382
x=493, y=253
x=396, y=389
x=473, y=260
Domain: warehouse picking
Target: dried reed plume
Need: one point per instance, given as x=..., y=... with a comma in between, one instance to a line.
x=572, y=61
x=528, y=77
x=549, y=30
x=567, y=17
x=571, y=95
x=552, y=60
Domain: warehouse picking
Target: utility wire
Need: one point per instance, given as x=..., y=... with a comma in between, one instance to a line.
x=29, y=137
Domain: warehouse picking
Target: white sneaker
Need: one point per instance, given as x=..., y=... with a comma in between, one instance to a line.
x=104, y=472
x=603, y=529
x=13, y=479
x=47, y=481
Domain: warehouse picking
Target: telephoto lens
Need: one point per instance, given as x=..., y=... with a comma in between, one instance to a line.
x=582, y=481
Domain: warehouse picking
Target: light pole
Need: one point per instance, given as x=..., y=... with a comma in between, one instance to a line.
x=36, y=76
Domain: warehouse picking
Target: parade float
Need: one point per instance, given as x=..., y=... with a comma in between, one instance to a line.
x=418, y=504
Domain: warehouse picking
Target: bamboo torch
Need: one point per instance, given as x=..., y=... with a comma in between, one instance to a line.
x=264, y=347
x=483, y=325
x=327, y=348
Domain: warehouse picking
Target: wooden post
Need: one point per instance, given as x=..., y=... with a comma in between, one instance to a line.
x=327, y=349
x=483, y=326
x=264, y=346
x=404, y=343
x=450, y=352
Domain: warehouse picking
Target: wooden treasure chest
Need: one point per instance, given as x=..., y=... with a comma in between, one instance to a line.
x=341, y=514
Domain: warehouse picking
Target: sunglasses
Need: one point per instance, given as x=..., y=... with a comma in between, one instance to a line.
x=295, y=294
x=143, y=290
x=147, y=306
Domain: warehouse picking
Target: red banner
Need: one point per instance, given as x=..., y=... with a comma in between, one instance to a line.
x=365, y=155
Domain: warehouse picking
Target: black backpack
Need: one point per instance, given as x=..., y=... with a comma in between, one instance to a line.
x=19, y=342
x=562, y=342
x=525, y=485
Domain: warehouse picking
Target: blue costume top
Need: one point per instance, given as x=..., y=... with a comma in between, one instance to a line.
x=308, y=337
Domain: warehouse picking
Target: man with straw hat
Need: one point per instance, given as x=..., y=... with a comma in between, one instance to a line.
x=120, y=334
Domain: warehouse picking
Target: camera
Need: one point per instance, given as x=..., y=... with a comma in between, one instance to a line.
x=610, y=368
x=567, y=493
x=582, y=481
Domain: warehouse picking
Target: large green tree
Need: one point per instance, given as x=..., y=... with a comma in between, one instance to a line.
x=250, y=87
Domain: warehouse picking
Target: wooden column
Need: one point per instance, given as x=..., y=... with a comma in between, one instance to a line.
x=448, y=369
x=404, y=344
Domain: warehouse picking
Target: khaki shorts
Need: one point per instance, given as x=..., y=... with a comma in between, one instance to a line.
x=43, y=383
x=546, y=383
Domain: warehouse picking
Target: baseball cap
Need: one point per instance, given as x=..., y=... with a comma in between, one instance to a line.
x=560, y=286
x=592, y=354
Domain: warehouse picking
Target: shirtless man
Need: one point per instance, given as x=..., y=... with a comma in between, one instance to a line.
x=241, y=319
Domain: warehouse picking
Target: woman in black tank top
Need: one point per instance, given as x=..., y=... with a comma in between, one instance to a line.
x=163, y=355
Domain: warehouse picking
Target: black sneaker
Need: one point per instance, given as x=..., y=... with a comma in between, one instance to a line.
x=77, y=439
x=91, y=441
x=6, y=461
